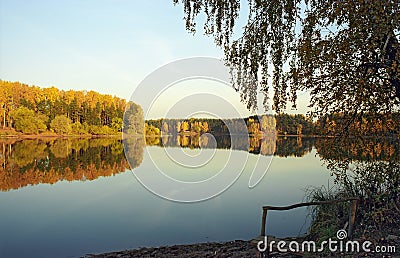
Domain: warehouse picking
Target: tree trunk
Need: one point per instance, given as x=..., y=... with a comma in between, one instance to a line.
x=390, y=50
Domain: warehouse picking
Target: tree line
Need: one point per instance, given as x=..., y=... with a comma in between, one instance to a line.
x=284, y=124
x=367, y=124
x=376, y=124
x=33, y=110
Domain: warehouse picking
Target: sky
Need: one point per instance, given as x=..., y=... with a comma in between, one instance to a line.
x=108, y=46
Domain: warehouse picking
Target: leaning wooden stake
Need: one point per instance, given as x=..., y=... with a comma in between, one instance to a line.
x=264, y=222
x=352, y=218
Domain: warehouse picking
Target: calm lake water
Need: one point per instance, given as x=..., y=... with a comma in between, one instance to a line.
x=68, y=198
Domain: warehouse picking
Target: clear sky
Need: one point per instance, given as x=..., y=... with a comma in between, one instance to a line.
x=104, y=45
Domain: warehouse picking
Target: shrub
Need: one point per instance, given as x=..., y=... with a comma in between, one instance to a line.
x=29, y=122
x=61, y=125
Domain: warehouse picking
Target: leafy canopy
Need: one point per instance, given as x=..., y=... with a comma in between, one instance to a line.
x=344, y=52
x=133, y=121
x=61, y=124
x=27, y=121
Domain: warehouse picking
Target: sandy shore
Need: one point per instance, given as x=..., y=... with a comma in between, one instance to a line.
x=237, y=248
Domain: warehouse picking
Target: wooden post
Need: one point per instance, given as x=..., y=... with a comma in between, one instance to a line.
x=352, y=218
x=352, y=215
x=264, y=221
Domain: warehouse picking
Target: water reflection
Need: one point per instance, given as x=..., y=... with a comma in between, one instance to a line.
x=117, y=213
x=31, y=162
x=256, y=145
x=358, y=149
x=134, y=150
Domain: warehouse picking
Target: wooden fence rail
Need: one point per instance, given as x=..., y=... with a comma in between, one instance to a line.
x=352, y=211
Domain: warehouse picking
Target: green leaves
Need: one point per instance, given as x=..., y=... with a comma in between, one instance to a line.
x=133, y=119
x=346, y=53
x=61, y=125
x=27, y=121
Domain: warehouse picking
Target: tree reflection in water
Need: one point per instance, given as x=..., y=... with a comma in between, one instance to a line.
x=363, y=167
x=31, y=162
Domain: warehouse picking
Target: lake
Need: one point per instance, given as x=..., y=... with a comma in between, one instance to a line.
x=71, y=197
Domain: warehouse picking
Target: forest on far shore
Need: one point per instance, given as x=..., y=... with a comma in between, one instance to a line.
x=32, y=110
x=281, y=124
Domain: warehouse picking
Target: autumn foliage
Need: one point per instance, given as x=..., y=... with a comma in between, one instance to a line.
x=30, y=109
x=47, y=161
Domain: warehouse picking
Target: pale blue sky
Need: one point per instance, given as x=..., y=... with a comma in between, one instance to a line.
x=104, y=45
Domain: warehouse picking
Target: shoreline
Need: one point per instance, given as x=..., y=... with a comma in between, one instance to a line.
x=44, y=135
x=235, y=248
x=245, y=248
x=49, y=136
x=56, y=136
